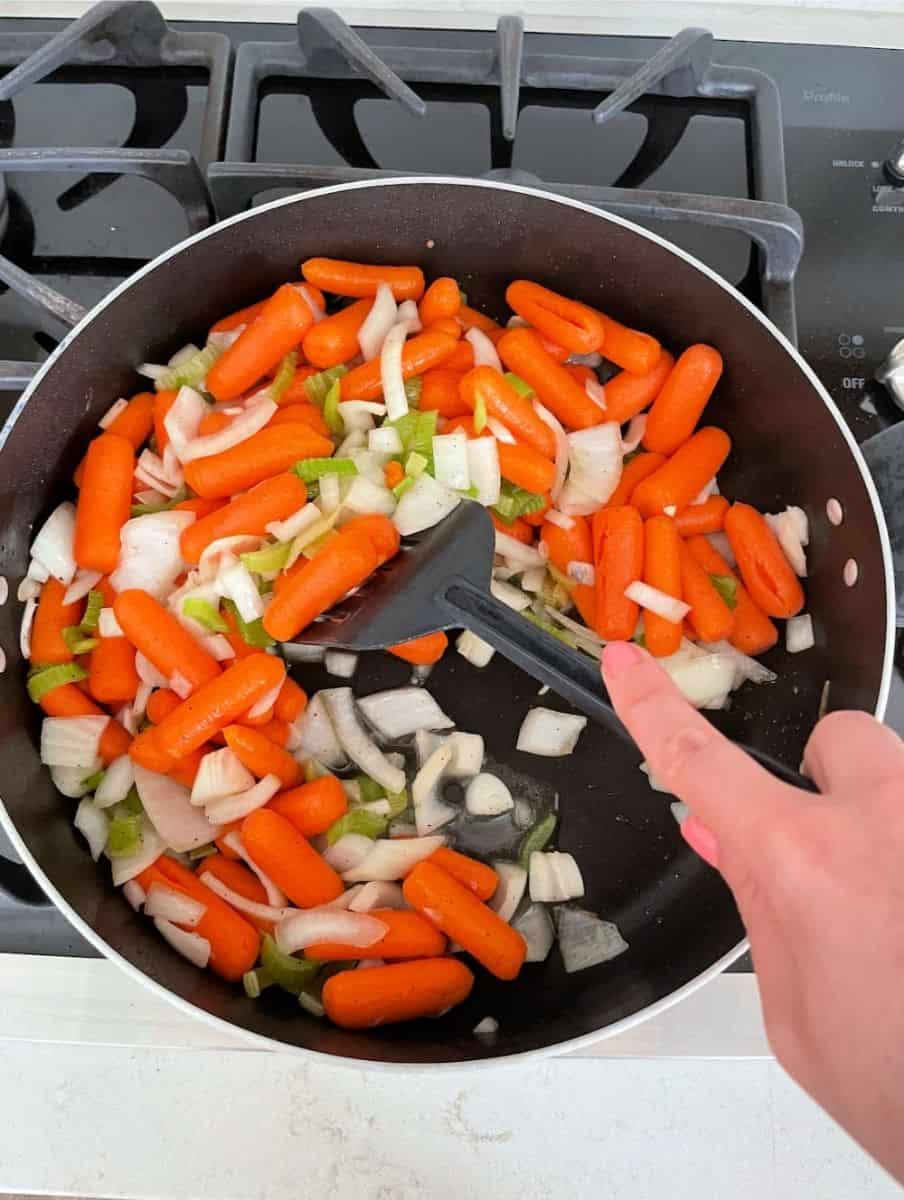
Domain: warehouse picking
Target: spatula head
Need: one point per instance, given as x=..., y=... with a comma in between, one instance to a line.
x=402, y=600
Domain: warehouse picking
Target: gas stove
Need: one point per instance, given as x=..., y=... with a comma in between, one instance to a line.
x=779, y=166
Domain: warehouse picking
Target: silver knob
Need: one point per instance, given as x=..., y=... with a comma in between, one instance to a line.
x=894, y=164
x=891, y=374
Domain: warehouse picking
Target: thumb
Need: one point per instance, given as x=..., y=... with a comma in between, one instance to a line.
x=733, y=800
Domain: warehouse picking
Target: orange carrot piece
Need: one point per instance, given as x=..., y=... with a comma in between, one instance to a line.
x=360, y=279
x=163, y=402
x=186, y=769
x=67, y=700
x=296, y=392
x=708, y=517
x=450, y=325
x=220, y=842
x=304, y=414
x=629, y=348
x=442, y=299
x=154, y=631
x=199, y=506
x=461, y=359
x=104, y=502
x=538, y=518
x=566, y=322
x=237, y=876
x=526, y=467
x=662, y=570
x=767, y=574
x=112, y=677
x=752, y=631
x=408, y=935
x=440, y=393
x=628, y=394
x=508, y=406
x=455, y=910
x=291, y=701
x=266, y=453
x=273, y=500
x=344, y=563
x=277, y=329
x=419, y=354
x=52, y=616
x=313, y=807
x=335, y=339
x=275, y=731
x=160, y=704
x=275, y=845
x=255, y=750
x=136, y=421
x=632, y=474
x=244, y=316
x=234, y=942
x=470, y=318
x=682, y=477
x=423, y=651
x=523, y=353
x=519, y=529
x=215, y=705
x=618, y=537
x=400, y=991
x=393, y=473
x=213, y=422
x=710, y=617
x=685, y=394
x=564, y=546
x=478, y=877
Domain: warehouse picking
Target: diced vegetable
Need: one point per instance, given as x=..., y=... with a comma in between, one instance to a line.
x=398, y=713
x=487, y=796
x=509, y=890
x=536, y=839
x=536, y=927
x=554, y=877
x=549, y=733
x=585, y=940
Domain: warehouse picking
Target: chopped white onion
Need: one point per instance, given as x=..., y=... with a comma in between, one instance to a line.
x=657, y=601
x=149, y=496
x=516, y=552
x=148, y=673
x=679, y=811
x=53, y=546
x=29, y=589
x=581, y=572
x=596, y=392
x=467, y=755
x=596, y=460
x=533, y=579
x=549, y=733
x=378, y=322
x=483, y=470
x=251, y=420
x=169, y=809
x=316, y=736
x=365, y=496
x=429, y=811
x=182, y=420
x=149, y=556
x=485, y=354
x=251, y=908
x=409, y=316
x=107, y=625
x=162, y=475
x=302, y=929
x=509, y=890
x=585, y=940
x=81, y=585
x=391, y=376
x=799, y=634
x=563, y=449
x=239, y=805
x=92, y=825
x=424, y=506
x=354, y=441
x=792, y=531
x=348, y=851
x=554, y=517
x=450, y=459
x=116, y=783
x=746, y=668
x=535, y=926
x=379, y=893
x=218, y=646
x=71, y=780
x=487, y=1027
x=190, y=945
x=402, y=711
x=357, y=745
x=134, y=893
x=71, y=741
x=188, y=351
x=342, y=663
x=488, y=796
x=719, y=542
x=229, y=548
x=654, y=781
x=708, y=489
x=180, y=685
x=393, y=858
x=285, y=531
x=499, y=431
x=702, y=681
x=554, y=877
x=372, y=463
x=511, y=596
x=261, y=707
x=140, y=700
x=385, y=440
x=112, y=413
x=317, y=311
x=575, y=502
x=637, y=427
x=126, y=866
x=474, y=649
x=173, y=905
x=28, y=619
x=358, y=415
x=234, y=581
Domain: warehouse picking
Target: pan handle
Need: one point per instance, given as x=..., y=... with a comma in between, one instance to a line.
x=16, y=376
x=17, y=882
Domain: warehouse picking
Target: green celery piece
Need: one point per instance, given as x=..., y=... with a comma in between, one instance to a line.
x=726, y=586
x=124, y=834
x=639, y=639
x=317, y=386
x=191, y=372
x=251, y=632
x=145, y=510
x=515, y=502
x=291, y=974
x=536, y=838
x=310, y=469
x=205, y=613
x=372, y=825
x=413, y=389
x=331, y=413
x=469, y=493
x=405, y=427
x=92, y=783
x=520, y=385
x=415, y=465
x=269, y=558
x=369, y=789
x=92, y=611
x=403, y=486
x=200, y=852
x=283, y=376
x=132, y=805
x=254, y=982
x=74, y=637
x=398, y=802
x=424, y=433
x=42, y=680
x=633, y=454
x=480, y=413
x=561, y=635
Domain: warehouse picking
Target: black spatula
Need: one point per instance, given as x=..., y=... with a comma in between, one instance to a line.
x=441, y=580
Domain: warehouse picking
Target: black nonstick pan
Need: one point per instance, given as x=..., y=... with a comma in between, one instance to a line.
x=790, y=446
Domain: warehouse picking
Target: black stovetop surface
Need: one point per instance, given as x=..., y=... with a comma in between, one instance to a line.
x=842, y=108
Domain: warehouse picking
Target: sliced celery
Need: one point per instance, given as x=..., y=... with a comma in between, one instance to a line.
x=480, y=414
x=145, y=510
x=469, y=493
x=561, y=635
x=331, y=413
x=417, y=430
x=76, y=641
x=318, y=386
x=370, y=824
x=124, y=834
x=251, y=632
x=254, y=982
x=520, y=385
x=205, y=613
x=200, y=852
x=132, y=804
x=42, y=680
x=515, y=502
x=413, y=388
x=93, y=606
x=310, y=469
x=369, y=789
x=403, y=486
x=283, y=376
x=312, y=549
x=398, y=802
x=268, y=558
x=290, y=973
x=415, y=465
x=536, y=838
x=190, y=372
x=93, y=781
x=727, y=587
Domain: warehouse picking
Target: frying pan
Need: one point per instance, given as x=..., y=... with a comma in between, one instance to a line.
x=790, y=446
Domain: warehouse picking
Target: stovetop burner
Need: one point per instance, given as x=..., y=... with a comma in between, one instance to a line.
x=732, y=150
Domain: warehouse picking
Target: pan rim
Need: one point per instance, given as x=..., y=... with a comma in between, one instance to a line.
x=260, y=1041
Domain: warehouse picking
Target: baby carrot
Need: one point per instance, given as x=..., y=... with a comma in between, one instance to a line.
x=708, y=517
x=185, y=770
x=419, y=354
x=634, y=471
x=154, y=631
x=393, y=473
x=629, y=348
x=220, y=842
x=237, y=876
x=455, y=910
x=441, y=299
x=526, y=467
x=618, y=537
x=215, y=705
x=581, y=373
x=344, y=563
x=662, y=570
x=359, y=279
x=266, y=453
x=304, y=414
x=104, y=502
x=766, y=572
x=567, y=322
x=710, y=617
x=163, y=402
x=234, y=942
x=273, y=500
x=440, y=393
x=313, y=807
x=508, y=406
x=260, y=755
x=291, y=701
x=275, y=731
x=244, y=316
x=277, y=329
x=408, y=935
x=296, y=392
x=564, y=546
x=461, y=359
x=470, y=318
x=681, y=478
x=276, y=846
x=519, y=529
x=136, y=421
x=160, y=704
x=52, y=616
x=335, y=339
x=423, y=651
x=67, y=700
x=398, y=992
x=112, y=677
x=752, y=631
x=199, y=506
x=685, y=394
x=476, y=876
x=627, y=394
x=523, y=353
x=450, y=325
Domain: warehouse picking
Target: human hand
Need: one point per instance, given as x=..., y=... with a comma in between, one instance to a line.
x=819, y=882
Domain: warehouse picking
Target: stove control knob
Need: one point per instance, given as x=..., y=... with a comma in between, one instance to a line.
x=891, y=374
x=894, y=164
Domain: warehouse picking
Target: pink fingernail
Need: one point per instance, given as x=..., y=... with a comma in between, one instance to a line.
x=701, y=840
x=619, y=657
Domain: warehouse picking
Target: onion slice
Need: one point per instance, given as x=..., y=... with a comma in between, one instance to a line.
x=378, y=322
x=393, y=858
x=53, y=546
x=658, y=602
x=563, y=450
x=799, y=634
x=303, y=929
x=357, y=745
x=251, y=908
x=169, y=808
x=173, y=905
x=485, y=354
x=549, y=733
x=585, y=940
x=399, y=713
x=391, y=376
x=190, y=945
x=91, y=823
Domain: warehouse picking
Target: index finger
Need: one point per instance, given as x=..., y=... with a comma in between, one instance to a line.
x=720, y=784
